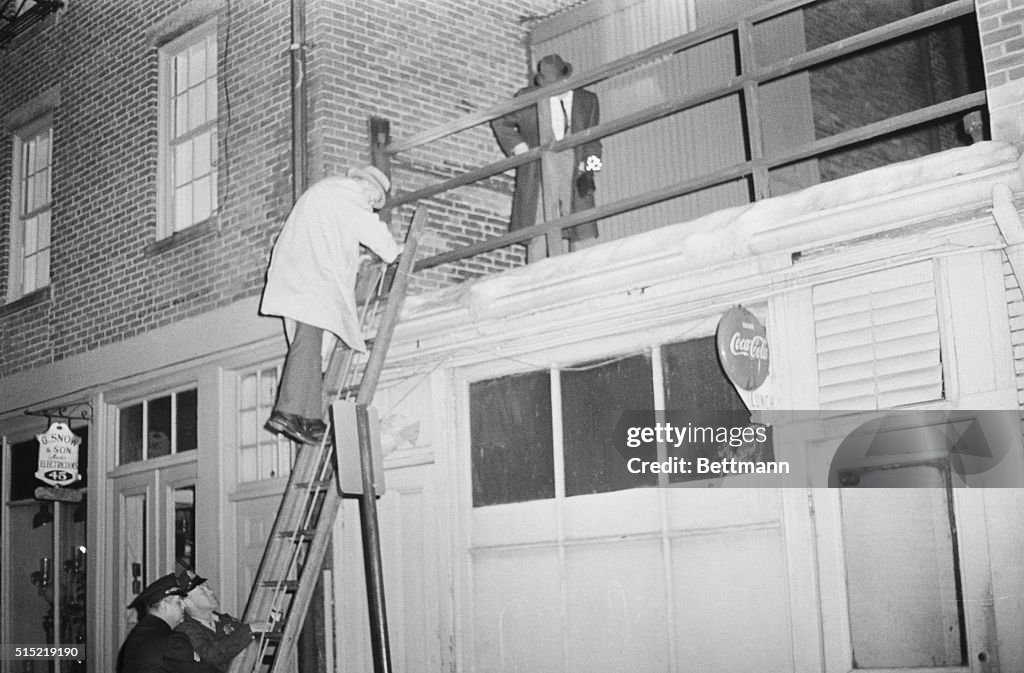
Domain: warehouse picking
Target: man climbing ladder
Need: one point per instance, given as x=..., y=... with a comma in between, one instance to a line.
x=311, y=284
x=299, y=538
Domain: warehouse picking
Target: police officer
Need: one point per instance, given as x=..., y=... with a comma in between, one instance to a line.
x=153, y=646
x=216, y=636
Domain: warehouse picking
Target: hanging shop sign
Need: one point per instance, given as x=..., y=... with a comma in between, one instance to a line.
x=58, y=456
x=743, y=348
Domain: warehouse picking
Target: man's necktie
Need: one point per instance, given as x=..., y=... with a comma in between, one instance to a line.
x=565, y=117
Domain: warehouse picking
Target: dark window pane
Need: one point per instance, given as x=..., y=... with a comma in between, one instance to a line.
x=185, y=525
x=24, y=459
x=159, y=437
x=694, y=379
x=510, y=432
x=130, y=441
x=593, y=400
x=186, y=421
x=697, y=392
x=83, y=457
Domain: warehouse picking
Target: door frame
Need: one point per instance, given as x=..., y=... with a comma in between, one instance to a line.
x=156, y=482
x=975, y=573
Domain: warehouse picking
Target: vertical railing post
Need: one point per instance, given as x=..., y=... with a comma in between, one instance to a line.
x=378, y=132
x=752, y=107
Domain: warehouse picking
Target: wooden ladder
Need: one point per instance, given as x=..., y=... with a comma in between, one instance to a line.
x=301, y=533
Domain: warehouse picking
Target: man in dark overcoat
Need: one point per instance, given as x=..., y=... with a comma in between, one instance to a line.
x=569, y=181
x=153, y=646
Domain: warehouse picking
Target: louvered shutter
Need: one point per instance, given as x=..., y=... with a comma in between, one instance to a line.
x=877, y=339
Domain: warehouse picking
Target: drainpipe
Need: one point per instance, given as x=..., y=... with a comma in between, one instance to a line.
x=297, y=49
x=310, y=648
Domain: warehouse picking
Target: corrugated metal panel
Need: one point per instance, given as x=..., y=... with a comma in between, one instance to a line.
x=877, y=340
x=685, y=145
x=671, y=150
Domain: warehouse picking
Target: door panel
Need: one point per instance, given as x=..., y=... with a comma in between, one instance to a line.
x=905, y=578
x=155, y=513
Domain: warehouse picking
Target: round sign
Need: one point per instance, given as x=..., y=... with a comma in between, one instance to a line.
x=743, y=348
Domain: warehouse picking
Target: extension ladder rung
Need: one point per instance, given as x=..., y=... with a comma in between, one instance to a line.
x=321, y=485
x=300, y=534
x=284, y=585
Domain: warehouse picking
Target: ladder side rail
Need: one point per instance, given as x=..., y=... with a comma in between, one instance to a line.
x=395, y=298
x=274, y=563
x=281, y=556
x=332, y=503
x=313, y=563
x=266, y=601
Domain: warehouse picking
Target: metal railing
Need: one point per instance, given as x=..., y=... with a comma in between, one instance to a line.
x=745, y=83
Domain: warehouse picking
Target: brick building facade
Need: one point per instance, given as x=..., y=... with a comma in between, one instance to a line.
x=142, y=332
x=112, y=278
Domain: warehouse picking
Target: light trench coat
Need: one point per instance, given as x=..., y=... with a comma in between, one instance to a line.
x=313, y=265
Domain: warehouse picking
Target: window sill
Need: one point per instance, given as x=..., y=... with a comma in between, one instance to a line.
x=196, y=231
x=34, y=298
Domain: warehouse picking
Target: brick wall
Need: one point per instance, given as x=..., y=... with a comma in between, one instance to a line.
x=1001, y=27
x=421, y=64
x=107, y=280
x=416, y=63
x=1001, y=24
x=900, y=76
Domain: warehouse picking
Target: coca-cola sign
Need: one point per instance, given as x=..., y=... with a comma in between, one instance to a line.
x=743, y=348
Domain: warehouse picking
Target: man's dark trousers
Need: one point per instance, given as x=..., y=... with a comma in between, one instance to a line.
x=301, y=388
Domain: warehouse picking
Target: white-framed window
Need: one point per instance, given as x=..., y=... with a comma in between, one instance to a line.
x=160, y=425
x=31, y=205
x=547, y=494
x=188, y=129
x=261, y=454
x=524, y=425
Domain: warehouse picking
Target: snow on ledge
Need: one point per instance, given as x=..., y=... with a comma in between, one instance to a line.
x=742, y=231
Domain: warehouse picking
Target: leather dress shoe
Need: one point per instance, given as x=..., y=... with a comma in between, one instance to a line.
x=295, y=427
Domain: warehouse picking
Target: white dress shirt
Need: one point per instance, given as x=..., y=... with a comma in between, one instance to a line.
x=561, y=122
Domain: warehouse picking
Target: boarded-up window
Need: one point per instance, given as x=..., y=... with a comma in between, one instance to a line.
x=877, y=338
x=906, y=603
x=511, y=437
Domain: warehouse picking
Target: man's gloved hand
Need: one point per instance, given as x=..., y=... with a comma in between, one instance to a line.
x=585, y=184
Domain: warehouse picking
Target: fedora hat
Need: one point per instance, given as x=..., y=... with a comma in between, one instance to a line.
x=375, y=177
x=555, y=61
